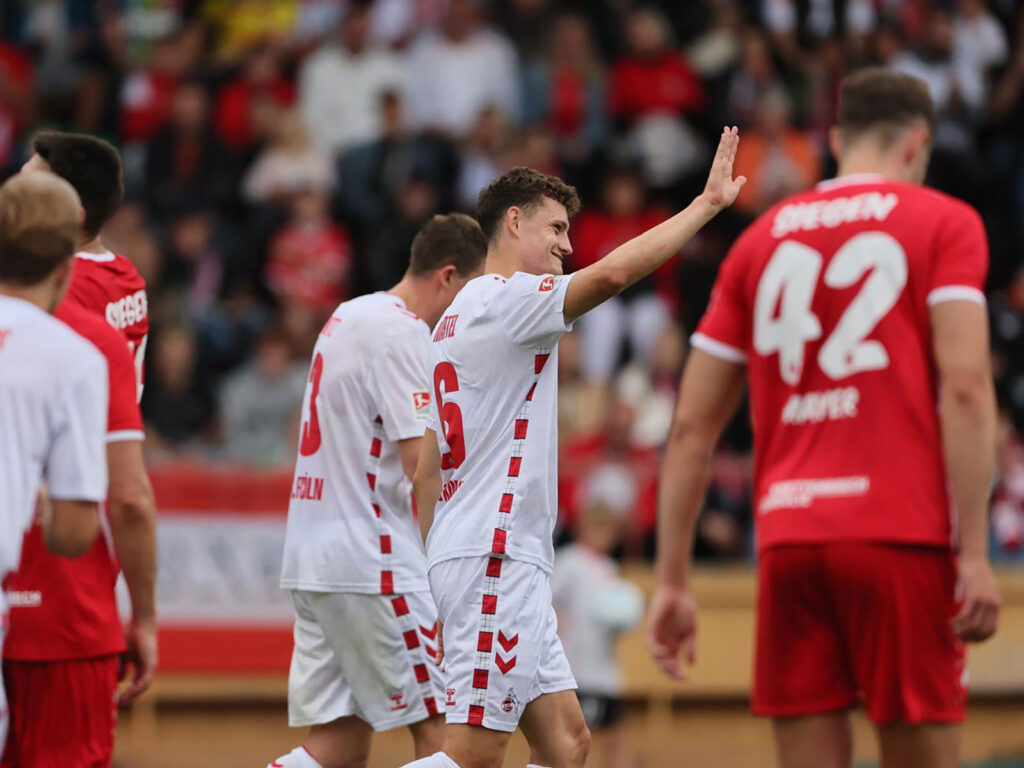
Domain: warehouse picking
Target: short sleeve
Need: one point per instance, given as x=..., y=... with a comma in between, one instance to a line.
x=401, y=391
x=76, y=468
x=724, y=331
x=125, y=419
x=532, y=308
x=961, y=258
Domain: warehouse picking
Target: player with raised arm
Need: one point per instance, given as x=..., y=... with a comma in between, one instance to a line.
x=53, y=383
x=365, y=630
x=489, y=461
x=855, y=311
x=66, y=637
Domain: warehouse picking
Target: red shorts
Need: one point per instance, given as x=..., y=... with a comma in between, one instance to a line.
x=63, y=713
x=843, y=623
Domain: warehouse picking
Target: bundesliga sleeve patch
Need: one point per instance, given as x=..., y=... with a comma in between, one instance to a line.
x=547, y=284
x=421, y=404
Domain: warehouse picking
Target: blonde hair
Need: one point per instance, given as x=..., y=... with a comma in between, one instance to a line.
x=40, y=221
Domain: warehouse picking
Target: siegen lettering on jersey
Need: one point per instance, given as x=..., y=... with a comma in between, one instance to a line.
x=128, y=310
x=800, y=494
x=446, y=328
x=832, y=213
x=308, y=487
x=816, y=407
x=449, y=490
x=30, y=598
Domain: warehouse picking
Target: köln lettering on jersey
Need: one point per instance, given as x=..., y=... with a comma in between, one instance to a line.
x=128, y=310
x=449, y=490
x=816, y=407
x=832, y=213
x=446, y=328
x=308, y=487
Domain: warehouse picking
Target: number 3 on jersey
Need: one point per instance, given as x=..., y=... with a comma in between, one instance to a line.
x=451, y=416
x=310, y=442
x=789, y=282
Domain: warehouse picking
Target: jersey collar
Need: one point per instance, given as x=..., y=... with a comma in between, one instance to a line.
x=105, y=256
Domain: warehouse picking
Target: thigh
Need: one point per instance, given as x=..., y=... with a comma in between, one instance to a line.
x=318, y=692
x=498, y=657
x=800, y=666
x=380, y=642
x=897, y=604
x=63, y=713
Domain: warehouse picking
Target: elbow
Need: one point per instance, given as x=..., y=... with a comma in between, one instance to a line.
x=615, y=279
x=968, y=390
x=133, y=507
x=689, y=441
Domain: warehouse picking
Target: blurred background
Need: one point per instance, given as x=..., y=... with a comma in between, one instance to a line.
x=280, y=155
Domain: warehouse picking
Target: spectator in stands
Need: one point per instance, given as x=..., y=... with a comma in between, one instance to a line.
x=651, y=389
x=311, y=257
x=185, y=163
x=565, y=90
x=17, y=103
x=287, y=164
x=639, y=313
x=755, y=75
x=481, y=156
x=454, y=74
x=341, y=84
x=260, y=84
x=148, y=95
x=177, y=403
x=978, y=36
x=260, y=403
x=777, y=159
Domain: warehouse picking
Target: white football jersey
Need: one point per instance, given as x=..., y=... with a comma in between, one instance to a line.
x=494, y=371
x=350, y=521
x=53, y=420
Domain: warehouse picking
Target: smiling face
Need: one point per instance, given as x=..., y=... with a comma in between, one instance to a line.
x=543, y=234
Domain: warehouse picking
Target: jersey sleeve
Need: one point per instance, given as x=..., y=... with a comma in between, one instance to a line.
x=961, y=258
x=124, y=418
x=724, y=331
x=401, y=392
x=76, y=468
x=532, y=308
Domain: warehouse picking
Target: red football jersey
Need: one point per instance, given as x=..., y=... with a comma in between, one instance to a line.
x=65, y=608
x=109, y=285
x=826, y=297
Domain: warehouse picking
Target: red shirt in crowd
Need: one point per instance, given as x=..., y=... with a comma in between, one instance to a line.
x=826, y=298
x=661, y=84
x=233, y=119
x=310, y=265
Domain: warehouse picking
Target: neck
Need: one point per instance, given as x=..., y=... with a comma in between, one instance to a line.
x=95, y=245
x=861, y=161
x=501, y=261
x=41, y=294
x=416, y=295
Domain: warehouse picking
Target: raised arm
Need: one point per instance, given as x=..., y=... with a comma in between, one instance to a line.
x=967, y=413
x=639, y=257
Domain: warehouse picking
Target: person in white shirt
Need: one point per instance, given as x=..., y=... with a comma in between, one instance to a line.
x=341, y=85
x=53, y=383
x=365, y=628
x=489, y=457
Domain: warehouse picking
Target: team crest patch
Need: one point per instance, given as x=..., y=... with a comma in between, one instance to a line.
x=547, y=284
x=511, y=702
x=449, y=697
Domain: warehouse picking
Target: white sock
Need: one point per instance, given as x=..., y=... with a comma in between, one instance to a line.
x=533, y=765
x=297, y=758
x=436, y=760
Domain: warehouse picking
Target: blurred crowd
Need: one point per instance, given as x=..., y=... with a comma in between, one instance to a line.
x=280, y=155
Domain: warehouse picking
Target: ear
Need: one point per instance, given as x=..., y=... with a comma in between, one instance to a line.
x=513, y=217
x=835, y=142
x=448, y=274
x=917, y=141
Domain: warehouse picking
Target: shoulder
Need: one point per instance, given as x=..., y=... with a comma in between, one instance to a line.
x=93, y=328
x=66, y=348
x=954, y=210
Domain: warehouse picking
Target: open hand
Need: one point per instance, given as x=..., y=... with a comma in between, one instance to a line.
x=672, y=629
x=139, y=661
x=722, y=189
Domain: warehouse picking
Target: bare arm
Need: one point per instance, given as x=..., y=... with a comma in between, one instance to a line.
x=71, y=526
x=967, y=413
x=643, y=254
x=426, y=483
x=132, y=512
x=710, y=391
x=409, y=452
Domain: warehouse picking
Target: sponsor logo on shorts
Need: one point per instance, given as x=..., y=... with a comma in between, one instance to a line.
x=511, y=702
x=547, y=284
x=398, y=701
x=449, y=697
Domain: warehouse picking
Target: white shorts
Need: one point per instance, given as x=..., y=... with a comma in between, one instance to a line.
x=371, y=656
x=501, y=643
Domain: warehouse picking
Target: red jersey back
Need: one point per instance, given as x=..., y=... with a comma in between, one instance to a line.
x=109, y=285
x=65, y=608
x=826, y=298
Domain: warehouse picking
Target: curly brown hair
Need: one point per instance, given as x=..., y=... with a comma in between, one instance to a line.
x=523, y=188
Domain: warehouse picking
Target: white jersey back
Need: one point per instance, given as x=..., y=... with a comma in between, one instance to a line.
x=495, y=377
x=53, y=420
x=350, y=521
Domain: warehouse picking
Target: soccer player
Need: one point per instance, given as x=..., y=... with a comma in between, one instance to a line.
x=66, y=636
x=53, y=383
x=365, y=631
x=856, y=313
x=489, y=461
